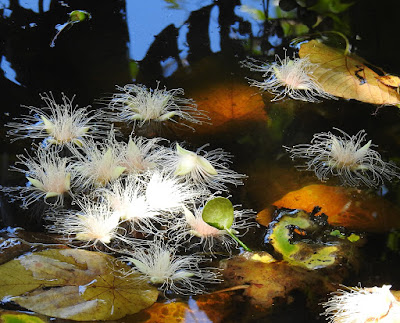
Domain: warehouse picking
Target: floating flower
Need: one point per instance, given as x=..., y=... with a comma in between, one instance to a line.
x=138, y=104
x=161, y=266
x=128, y=200
x=288, y=77
x=345, y=156
x=141, y=154
x=59, y=123
x=192, y=226
x=98, y=163
x=376, y=304
x=48, y=175
x=207, y=169
x=166, y=193
x=94, y=223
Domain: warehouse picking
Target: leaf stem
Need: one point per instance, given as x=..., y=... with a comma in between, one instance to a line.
x=237, y=240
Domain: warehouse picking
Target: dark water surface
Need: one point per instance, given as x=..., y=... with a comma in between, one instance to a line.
x=195, y=44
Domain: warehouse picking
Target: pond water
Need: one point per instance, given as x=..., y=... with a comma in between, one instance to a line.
x=198, y=46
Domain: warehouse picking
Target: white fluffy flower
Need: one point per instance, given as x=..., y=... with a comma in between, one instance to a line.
x=127, y=199
x=138, y=104
x=359, y=305
x=204, y=169
x=49, y=176
x=195, y=231
x=141, y=154
x=288, y=77
x=94, y=223
x=98, y=163
x=166, y=193
x=180, y=274
x=59, y=123
x=347, y=157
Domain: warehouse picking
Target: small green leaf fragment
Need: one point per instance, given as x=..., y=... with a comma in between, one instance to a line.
x=353, y=237
x=337, y=233
x=79, y=15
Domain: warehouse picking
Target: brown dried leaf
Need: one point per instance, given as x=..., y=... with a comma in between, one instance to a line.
x=349, y=76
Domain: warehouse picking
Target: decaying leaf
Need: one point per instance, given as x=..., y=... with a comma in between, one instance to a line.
x=271, y=283
x=350, y=76
x=306, y=240
x=74, y=284
x=347, y=207
x=229, y=104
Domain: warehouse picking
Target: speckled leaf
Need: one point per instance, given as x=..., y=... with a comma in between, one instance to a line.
x=74, y=284
x=349, y=76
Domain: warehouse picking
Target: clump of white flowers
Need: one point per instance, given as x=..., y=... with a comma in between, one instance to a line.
x=350, y=158
x=288, y=77
x=129, y=195
x=356, y=304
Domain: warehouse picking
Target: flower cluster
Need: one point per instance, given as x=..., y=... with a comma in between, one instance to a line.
x=127, y=196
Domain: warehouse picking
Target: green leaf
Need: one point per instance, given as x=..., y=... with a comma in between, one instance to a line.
x=79, y=15
x=218, y=213
x=74, y=284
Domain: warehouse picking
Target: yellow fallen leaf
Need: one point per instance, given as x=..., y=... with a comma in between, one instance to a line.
x=350, y=76
x=74, y=284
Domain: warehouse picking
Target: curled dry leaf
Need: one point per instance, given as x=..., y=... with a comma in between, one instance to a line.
x=74, y=284
x=349, y=76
